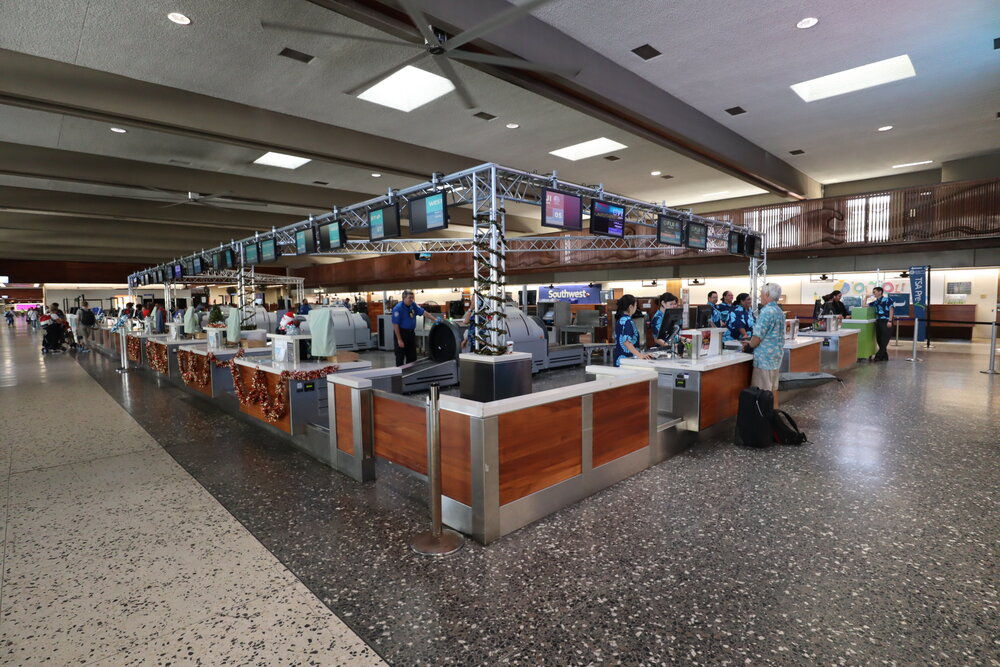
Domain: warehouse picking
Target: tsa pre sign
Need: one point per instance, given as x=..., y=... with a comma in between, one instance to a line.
x=919, y=290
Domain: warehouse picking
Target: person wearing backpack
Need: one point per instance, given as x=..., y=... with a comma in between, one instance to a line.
x=85, y=323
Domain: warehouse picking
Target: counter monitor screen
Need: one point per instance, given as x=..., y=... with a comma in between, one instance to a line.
x=736, y=243
x=696, y=236
x=673, y=318
x=332, y=236
x=178, y=271
x=198, y=264
x=669, y=230
x=305, y=241
x=383, y=223
x=607, y=219
x=562, y=210
x=428, y=213
x=269, y=250
x=251, y=254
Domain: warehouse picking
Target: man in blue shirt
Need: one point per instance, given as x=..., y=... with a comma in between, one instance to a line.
x=768, y=341
x=884, y=312
x=305, y=307
x=404, y=323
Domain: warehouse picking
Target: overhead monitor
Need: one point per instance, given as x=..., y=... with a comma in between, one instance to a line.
x=216, y=258
x=188, y=267
x=670, y=230
x=332, y=236
x=737, y=243
x=562, y=210
x=198, y=264
x=383, y=223
x=305, y=241
x=228, y=258
x=428, y=213
x=269, y=250
x=251, y=253
x=607, y=219
x=696, y=236
x=178, y=271
x=754, y=246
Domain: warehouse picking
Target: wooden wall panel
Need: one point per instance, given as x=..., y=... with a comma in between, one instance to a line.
x=400, y=433
x=621, y=422
x=456, y=457
x=272, y=380
x=539, y=447
x=344, y=414
x=804, y=359
x=720, y=392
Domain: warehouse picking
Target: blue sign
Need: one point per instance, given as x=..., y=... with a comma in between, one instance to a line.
x=900, y=303
x=580, y=294
x=920, y=290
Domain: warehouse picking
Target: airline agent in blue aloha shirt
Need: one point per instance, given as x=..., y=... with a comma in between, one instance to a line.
x=667, y=300
x=741, y=319
x=626, y=335
x=720, y=313
x=884, y=312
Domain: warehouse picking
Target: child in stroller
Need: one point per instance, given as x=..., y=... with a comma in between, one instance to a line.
x=54, y=339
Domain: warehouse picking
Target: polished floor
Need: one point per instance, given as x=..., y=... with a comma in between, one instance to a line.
x=876, y=544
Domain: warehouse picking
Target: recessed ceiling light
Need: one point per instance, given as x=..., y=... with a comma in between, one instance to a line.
x=655, y=173
x=407, y=89
x=857, y=78
x=484, y=115
x=512, y=126
x=296, y=55
x=272, y=159
x=588, y=149
x=797, y=151
x=179, y=18
x=646, y=52
x=885, y=128
x=807, y=23
x=911, y=164
x=119, y=130
x=375, y=174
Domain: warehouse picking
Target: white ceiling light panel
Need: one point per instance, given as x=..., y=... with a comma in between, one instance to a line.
x=588, y=149
x=911, y=164
x=407, y=89
x=858, y=78
x=281, y=160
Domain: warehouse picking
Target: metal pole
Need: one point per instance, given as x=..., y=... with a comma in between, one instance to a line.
x=992, y=370
x=438, y=541
x=914, y=356
x=896, y=344
x=123, y=347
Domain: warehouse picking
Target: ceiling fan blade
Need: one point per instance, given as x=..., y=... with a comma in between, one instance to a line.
x=206, y=205
x=492, y=23
x=239, y=202
x=177, y=203
x=341, y=35
x=449, y=71
x=511, y=62
x=217, y=194
x=368, y=83
x=420, y=20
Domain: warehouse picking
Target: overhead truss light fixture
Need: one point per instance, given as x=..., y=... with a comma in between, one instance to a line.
x=408, y=89
x=272, y=159
x=857, y=78
x=588, y=149
x=119, y=130
x=885, y=128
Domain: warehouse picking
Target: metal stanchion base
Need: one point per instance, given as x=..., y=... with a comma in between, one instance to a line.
x=124, y=370
x=989, y=372
x=913, y=359
x=427, y=545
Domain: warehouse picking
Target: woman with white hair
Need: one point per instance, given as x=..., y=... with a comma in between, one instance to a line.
x=768, y=341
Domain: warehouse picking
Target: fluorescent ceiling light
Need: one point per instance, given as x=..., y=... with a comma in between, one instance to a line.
x=588, y=149
x=119, y=130
x=858, y=78
x=281, y=160
x=806, y=23
x=407, y=89
x=655, y=173
x=375, y=174
x=512, y=126
x=911, y=164
x=885, y=128
x=179, y=18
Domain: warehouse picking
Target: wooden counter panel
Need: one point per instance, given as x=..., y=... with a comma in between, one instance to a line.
x=720, y=392
x=456, y=457
x=344, y=414
x=272, y=380
x=539, y=447
x=621, y=422
x=400, y=433
x=804, y=359
x=848, y=351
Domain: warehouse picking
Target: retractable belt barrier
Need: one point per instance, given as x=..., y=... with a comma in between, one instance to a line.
x=993, y=338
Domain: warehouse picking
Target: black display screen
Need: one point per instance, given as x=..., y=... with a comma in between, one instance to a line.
x=332, y=236
x=178, y=271
x=562, y=210
x=670, y=230
x=736, y=243
x=251, y=254
x=228, y=258
x=305, y=241
x=198, y=264
x=696, y=236
x=428, y=213
x=752, y=247
x=383, y=223
x=607, y=219
x=268, y=250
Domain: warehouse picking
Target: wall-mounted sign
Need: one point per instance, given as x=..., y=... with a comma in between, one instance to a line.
x=959, y=288
x=581, y=294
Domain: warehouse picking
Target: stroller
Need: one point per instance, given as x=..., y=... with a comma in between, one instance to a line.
x=54, y=339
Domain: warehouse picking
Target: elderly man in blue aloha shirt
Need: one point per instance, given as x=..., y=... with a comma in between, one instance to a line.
x=768, y=341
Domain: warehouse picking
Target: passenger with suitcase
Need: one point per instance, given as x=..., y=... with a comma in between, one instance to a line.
x=767, y=342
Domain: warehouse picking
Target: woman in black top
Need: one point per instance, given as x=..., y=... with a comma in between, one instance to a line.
x=835, y=306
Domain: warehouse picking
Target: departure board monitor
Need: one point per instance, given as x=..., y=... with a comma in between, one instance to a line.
x=305, y=241
x=562, y=210
x=198, y=265
x=428, y=213
x=696, y=236
x=737, y=243
x=607, y=219
x=754, y=246
x=269, y=250
x=178, y=271
x=383, y=223
x=332, y=236
x=670, y=230
x=251, y=254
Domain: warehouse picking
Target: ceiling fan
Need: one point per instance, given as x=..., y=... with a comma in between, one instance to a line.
x=197, y=199
x=441, y=48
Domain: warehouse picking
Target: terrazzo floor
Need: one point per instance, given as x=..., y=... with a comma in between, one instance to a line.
x=114, y=555
x=875, y=544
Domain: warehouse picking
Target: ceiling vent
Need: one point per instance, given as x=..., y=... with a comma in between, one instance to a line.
x=612, y=158
x=484, y=115
x=320, y=183
x=646, y=52
x=183, y=162
x=996, y=42
x=735, y=111
x=296, y=55
x=797, y=151
x=666, y=177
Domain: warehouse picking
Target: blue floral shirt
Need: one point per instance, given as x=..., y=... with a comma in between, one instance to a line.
x=882, y=307
x=655, y=322
x=739, y=318
x=771, y=331
x=720, y=314
x=624, y=331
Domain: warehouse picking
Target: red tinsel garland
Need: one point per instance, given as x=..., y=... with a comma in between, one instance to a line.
x=157, y=356
x=133, y=349
x=187, y=361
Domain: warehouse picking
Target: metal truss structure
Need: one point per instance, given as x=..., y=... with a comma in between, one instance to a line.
x=487, y=190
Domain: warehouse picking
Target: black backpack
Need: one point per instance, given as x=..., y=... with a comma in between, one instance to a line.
x=754, y=417
x=87, y=318
x=786, y=431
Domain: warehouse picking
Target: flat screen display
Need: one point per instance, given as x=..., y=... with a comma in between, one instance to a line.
x=188, y=267
x=216, y=258
x=753, y=246
x=198, y=264
x=251, y=254
x=268, y=250
x=696, y=237
x=669, y=230
x=228, y=258
x=383, y=223
x=428, y=213
x=607, y=219
x=305, y=241
x=178, y=271
x=332, y=236
x=562, y=210
x=736, y=243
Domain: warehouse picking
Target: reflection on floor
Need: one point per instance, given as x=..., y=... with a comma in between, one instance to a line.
x=875, y=544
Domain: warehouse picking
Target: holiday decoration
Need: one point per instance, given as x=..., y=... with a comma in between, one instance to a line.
x=157, y=356
x=215, y=317
x=133, y=348
x=195, y=369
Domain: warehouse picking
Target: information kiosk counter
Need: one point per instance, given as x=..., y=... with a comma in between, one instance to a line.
x=802, y=355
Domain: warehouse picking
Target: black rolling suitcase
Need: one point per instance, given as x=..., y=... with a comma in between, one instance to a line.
x=753, y=420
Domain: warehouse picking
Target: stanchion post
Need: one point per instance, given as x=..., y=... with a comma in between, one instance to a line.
x=896, y=344
x=438, y=541
x=992, y=370
x=123, y=348
x=914, y=356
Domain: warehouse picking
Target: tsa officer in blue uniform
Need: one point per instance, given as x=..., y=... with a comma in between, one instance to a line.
x=404, y=322
x=884, y=312
x=626, y=335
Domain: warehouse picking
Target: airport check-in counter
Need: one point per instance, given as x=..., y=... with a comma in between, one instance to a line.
x=210, y=380
x=703, y=391
x=801, y=355
x=166, y=348
x=838, y=349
